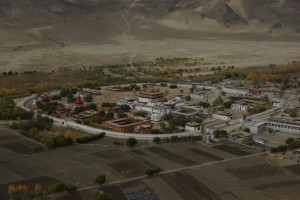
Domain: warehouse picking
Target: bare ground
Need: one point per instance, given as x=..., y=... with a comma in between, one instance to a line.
x=126, y=40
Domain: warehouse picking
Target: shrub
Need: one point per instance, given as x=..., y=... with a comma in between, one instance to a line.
x=90, y=138
x=155, y=131
x=100, y=179
x=153, y=171
x=61, y=187
x=100, y=195
x=131, y=142
x=156, y=140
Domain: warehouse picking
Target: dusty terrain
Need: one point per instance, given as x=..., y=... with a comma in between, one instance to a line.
x=53, y=34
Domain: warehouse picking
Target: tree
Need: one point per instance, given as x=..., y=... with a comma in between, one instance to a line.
x=219, y=100
x=37, y=189
x=122, y=115
x=156, y=140
x=131, y=142
x=141, y=113
x=228, y=104
x=188, y=98
x=204, y=104
x=155, y=131
x=125, y=108
x=109, y=116
x=100, y=195
x=162, y=125
x=102, y=113
x=88, y=98
x=105, y=104
x=137, y=88
x=151, y=172
x=100, y=179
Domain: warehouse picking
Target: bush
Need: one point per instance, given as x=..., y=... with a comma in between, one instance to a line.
x=61, y=187
x=100, y=179
x=155, y=131
x=247, y=130
x=122, y=115
x=90, y=138
x=57, y=141
x=9, y=111
x=228, y=104
x=125, y=108
x=131, y=142
x=204, y=104
x=88, y=98
x=188, y=98
x=156, y=140
x=153, y=171
x=100, y=195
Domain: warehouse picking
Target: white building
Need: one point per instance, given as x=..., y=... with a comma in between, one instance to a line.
x=126, y=102
x=222, y=116
x=258, y=127
x=202, y=95
x=194, y=127
x=287, y=125
x=162, y=110
x=259, y=140
x=240, y=106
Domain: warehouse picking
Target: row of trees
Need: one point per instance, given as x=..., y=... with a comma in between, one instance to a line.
x=90, y=138
x=173, y=139
x=33, y=127
x=22, y=191
x=50, y=107
x=9, y=111
x=291, y=143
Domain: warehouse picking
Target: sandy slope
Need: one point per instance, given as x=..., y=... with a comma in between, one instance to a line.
x=81, y=33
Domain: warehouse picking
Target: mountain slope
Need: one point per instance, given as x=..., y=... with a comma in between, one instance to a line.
x=208, y=15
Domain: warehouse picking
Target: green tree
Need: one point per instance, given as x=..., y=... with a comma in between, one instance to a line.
x=88, y=98
x=125, y=108
x=100, y=195
x=155, y=131
x=219, y=100
x=122, y=115
x=188, y=98
x=156, y=140
x=100, y=179
x=131, y=142
x=228, y=104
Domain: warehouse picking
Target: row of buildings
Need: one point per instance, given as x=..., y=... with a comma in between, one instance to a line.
x=288, y=125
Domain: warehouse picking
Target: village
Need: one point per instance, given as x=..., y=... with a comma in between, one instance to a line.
x=245, y=115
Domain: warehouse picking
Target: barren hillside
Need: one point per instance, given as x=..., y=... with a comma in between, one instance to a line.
x=51, y=33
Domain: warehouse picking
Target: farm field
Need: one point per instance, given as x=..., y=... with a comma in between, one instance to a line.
x=215, y=181
x=81, y=164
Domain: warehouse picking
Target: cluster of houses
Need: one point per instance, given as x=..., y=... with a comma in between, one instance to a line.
x=157, y=105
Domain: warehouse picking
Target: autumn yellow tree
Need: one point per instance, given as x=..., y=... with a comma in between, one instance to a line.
x=251, y=76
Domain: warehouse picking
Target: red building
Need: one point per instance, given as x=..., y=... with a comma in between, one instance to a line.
x=78, y=101
x=128, y=125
